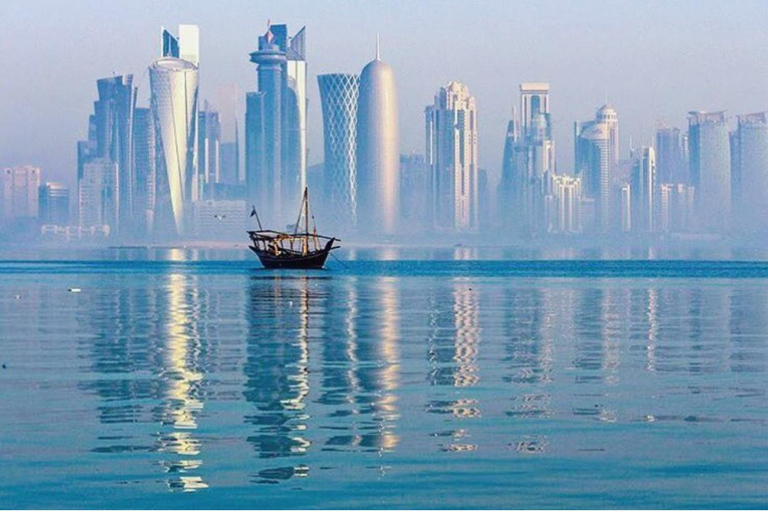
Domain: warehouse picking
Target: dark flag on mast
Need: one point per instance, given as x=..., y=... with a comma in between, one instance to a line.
x=254, y=214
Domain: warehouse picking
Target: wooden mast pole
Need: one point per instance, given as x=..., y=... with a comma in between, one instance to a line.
x=306, y=222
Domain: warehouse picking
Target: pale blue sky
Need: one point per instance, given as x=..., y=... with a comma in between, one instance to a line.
x=652, y=59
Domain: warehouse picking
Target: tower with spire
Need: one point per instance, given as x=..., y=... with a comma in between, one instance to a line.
x=275, y=139
x=378, y=149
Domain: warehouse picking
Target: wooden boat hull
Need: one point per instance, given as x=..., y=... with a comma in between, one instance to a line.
x=314, y=260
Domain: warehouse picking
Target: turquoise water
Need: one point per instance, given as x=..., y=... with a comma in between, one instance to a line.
x=527, y=384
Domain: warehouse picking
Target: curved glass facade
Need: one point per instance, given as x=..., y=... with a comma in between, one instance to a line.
x=174, y=87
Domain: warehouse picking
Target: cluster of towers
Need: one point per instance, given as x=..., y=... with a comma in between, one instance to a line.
x=144, y=172
x=709, y=180
x=163, y=171
x=361, y=181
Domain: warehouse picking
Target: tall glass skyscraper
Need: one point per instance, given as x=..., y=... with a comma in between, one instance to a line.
x=670, y=158
x=749, y=147
x=99, y=194
x=110, y=137
x=144, y=159
x=451, y=128
x=710, y=163
x=209, y=151
x=275, y=153
x=174, y=99
x=607, y=114
x=644, y=190
x=513, y=185
x=378, y=150
x=339, y=96
x=593, y=166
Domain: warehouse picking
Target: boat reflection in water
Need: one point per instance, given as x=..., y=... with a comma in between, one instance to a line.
x=293, y=317
x=277, y=372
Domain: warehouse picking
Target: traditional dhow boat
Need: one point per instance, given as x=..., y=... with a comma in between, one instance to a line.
x=306, y=250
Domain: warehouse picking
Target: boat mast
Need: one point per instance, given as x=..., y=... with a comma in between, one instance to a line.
x=306, y=222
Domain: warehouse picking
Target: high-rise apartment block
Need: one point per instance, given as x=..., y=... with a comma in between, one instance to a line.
x=451, y=127
x=710, y=167
x=644, y=191
x=749, y=178
x=54, y=203
x=19, y=198
x=593, y=164
x=671, y=159
x=99, y=194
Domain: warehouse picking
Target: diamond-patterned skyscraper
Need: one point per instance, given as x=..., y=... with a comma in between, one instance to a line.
x=338, y=95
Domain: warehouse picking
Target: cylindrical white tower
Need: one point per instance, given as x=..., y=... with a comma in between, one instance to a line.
x=378, y=150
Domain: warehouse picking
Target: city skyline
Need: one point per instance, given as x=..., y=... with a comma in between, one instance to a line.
x=668, y=95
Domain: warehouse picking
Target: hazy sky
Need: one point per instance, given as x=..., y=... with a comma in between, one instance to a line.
x=652, y=59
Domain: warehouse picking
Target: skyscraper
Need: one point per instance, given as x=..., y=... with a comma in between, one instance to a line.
x=54, y=203
x=534, y=100
x=625, y=207
x=19, y=198
x=451, y=127
x=414, y=190
x=174, y=102
x=98, y=194
x=144, y=160
x=513, y=185
x=607, y=114
x=230, y=163
x=529, y=154
x=750, y=173
x=378, y=146
x=275, y=157
x=189, y=44
x=710, y=169
x=644, y=190
x=339, y=96
x=592, y=161
x=174, y=99
x=209, y=150
x=564, y=209
x=484, y=200
x=110, y=136
x=537, y=152
x=670, y=159
x=676, y=208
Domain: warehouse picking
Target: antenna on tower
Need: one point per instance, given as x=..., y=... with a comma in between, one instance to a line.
x=378, y=51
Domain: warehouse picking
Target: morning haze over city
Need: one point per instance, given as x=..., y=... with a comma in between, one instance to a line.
x=369, y=254
x=558, y=123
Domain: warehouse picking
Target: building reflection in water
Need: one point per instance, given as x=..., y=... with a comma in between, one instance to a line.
x=361, y=365
x=146, y=351
x=277, y=370
x=532, y=318
x=182, y=377
x=315, y=382
x=452, y=353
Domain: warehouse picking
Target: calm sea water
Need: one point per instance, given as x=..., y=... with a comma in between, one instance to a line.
x=182, y=384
